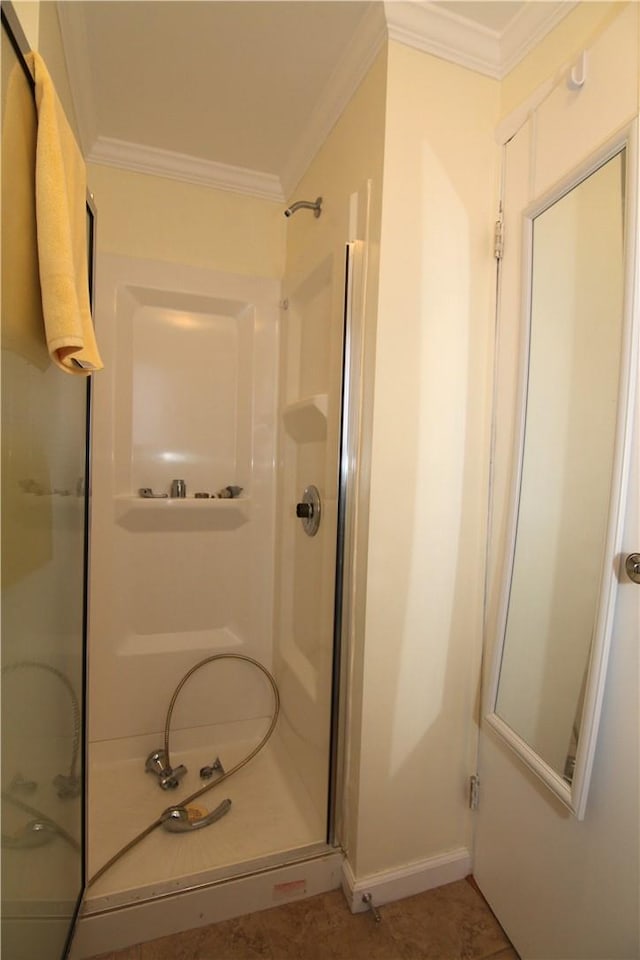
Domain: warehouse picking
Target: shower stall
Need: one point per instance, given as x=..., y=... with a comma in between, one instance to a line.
x=211, y=553
x=221, y=382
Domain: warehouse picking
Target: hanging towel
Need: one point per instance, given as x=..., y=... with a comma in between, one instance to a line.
x=22, y=330
x=62, y=233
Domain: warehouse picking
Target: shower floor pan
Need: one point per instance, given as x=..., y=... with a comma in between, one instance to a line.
x=271, y=816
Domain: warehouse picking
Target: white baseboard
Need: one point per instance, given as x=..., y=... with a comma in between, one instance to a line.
x=406, y=881
x=123, y=927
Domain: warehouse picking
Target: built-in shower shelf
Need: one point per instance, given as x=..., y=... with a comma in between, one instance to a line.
x=191, y=513
x=306, y=420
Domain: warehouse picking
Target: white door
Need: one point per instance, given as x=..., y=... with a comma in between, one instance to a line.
x=563, y=888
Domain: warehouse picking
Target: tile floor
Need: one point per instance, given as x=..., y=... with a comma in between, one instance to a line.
x=449, y=923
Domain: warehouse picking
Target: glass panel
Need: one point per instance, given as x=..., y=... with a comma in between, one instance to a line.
x=576, y=328
x=43, y=547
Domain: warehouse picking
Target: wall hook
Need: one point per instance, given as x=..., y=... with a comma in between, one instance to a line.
x=578, y=72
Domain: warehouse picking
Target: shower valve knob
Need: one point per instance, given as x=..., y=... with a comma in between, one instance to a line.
x=309, y=509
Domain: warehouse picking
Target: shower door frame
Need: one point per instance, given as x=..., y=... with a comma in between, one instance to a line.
x=348, y=466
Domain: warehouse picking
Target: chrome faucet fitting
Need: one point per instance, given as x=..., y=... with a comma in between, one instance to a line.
x=172, y=779
x=156, y=763
x=168, y=777
x=216, y=767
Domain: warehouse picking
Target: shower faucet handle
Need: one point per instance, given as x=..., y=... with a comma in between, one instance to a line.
x=168, y=777
x=156, y=763
x=171, y=780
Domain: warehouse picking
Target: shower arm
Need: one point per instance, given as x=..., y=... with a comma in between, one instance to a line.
x=305, y=205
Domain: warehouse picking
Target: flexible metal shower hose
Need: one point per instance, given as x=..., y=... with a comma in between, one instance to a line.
x=225, y=776
x=75, y=706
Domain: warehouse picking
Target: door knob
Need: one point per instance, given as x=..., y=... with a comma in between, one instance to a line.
x=632, y=566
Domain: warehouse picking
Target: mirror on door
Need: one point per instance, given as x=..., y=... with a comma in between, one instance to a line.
x=560, y=570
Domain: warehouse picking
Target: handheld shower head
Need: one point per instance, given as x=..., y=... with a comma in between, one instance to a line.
x=305, y=205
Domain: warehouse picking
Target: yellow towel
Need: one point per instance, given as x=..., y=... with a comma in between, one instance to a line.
x=62, y=235
x=22, y=320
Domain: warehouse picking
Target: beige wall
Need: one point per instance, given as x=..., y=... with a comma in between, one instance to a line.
x=156, y=218
x=429, y=462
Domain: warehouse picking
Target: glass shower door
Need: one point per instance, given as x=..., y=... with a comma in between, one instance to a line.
x=43, y=575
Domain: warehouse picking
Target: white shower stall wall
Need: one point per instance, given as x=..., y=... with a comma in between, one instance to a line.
x=189, y=392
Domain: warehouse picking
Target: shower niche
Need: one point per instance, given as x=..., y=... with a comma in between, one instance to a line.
x=189, y=380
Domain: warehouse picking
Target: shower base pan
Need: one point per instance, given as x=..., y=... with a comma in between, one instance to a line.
x=269, y=849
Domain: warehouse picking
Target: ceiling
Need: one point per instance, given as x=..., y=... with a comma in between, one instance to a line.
x=240, y=94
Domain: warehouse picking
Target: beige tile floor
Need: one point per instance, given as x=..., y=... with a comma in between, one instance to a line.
x=449, y=923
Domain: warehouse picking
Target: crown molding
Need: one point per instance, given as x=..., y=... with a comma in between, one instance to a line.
x=432, y=29
x=341, y=86
x=180, y=166
x=426, y=26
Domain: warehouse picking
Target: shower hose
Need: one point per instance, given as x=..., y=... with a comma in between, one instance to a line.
x=224, y=776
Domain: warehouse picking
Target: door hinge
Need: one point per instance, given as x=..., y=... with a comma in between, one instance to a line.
x=498, y=238
x=474, y=791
